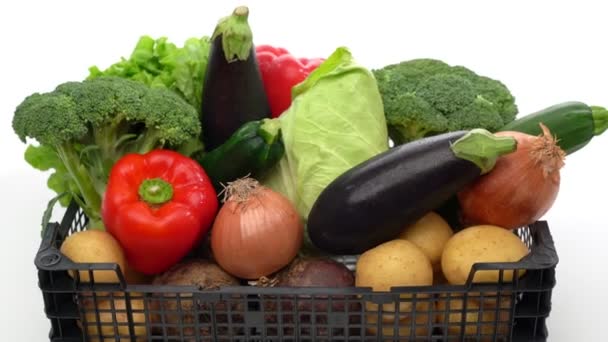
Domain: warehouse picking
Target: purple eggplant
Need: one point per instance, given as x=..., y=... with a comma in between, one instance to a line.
x=375, y=200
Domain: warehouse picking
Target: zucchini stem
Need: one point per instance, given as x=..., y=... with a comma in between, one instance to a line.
x=236, y=35
x=483, y=148
x=600, y=119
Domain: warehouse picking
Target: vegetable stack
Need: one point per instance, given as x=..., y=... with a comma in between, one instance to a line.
x=85, y=127
x=222, y=163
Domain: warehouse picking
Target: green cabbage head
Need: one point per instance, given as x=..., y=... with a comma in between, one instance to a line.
x=336, y=121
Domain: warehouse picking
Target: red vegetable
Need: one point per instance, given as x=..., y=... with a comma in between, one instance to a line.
x=314, y=272
x=256, y=232
x=158, y=206
x=280, y=72
x=521, y=188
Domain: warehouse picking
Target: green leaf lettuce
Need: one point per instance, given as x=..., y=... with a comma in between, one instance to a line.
x=160, y=63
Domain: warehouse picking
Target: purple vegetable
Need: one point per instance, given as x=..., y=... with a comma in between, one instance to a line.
x=314, y=272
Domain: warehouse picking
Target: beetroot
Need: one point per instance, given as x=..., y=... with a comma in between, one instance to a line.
x=316, y=272
x=313, y=272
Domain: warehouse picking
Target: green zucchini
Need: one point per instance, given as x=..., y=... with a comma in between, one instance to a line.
x=252, y=150
x=573, y=123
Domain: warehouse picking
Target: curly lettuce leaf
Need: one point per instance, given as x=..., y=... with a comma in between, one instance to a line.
x=189, y=67
x=160, y=63
x=336, y=121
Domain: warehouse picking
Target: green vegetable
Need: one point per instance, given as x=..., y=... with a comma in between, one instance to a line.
x=336, y=121
x=573, y=123
x=425, y=97
x=160, y=63
x=83, y=128
x=44, y=158
x=252, y=150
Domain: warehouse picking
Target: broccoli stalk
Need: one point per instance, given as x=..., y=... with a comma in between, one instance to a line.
x=424, y=97
x=84, y=128
x=88, y=185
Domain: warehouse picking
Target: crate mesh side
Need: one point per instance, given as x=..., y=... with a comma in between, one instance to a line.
x=80, y=222
x=510, y=311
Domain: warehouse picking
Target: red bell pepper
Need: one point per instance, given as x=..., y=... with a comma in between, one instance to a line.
x=280, y=73
x=158, y=206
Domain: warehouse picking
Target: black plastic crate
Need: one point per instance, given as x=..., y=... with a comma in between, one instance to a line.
x=504, y=311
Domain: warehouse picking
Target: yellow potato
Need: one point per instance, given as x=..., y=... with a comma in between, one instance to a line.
x=486, y=322
x=430, y=234
x=94, y=246
x=107, y=320
x=491, y=299
x=478, y=244
x=423, y=323
x=394, y=263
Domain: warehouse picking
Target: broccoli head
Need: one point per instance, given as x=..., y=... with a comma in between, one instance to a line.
x=83, y=128
x=424, y=97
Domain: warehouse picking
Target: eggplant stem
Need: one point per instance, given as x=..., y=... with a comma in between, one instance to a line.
x=236, y=35
x=483, y=148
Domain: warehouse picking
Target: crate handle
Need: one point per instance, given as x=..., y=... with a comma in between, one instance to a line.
x=544, y=254
x=50, y=258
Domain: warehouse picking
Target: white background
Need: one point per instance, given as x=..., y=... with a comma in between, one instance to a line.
x=545, y=52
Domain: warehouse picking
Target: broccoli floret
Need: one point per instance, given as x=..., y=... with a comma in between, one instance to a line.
x=479, y=113
x=497, y=93
x=83, y=128
x=446, y=93
x=424, y=97
x=401, y=127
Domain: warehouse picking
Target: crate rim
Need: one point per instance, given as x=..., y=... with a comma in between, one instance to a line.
x=543, y=255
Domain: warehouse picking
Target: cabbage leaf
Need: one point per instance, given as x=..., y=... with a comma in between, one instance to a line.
x=336, y=121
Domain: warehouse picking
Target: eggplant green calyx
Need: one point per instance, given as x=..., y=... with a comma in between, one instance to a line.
x=236, y=35
x=483, y=148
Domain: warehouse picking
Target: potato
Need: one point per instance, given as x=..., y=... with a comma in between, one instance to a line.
x=107, y=321
x=94, y=246
x=394, y=263
x=430, y=234
x=486, y=322
x=422, y=324
x=477, y=244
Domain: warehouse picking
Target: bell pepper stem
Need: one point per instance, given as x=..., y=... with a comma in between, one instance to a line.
x=270, y=130
x=236, y=35
x=155, y=191
x=483, y=148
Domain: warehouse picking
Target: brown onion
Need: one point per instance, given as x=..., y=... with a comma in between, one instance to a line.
x=521, y=188
x=256, y=232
